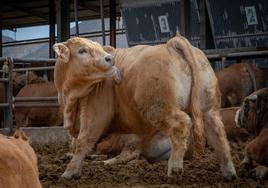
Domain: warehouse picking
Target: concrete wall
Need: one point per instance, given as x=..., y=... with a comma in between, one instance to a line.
x=44, y=135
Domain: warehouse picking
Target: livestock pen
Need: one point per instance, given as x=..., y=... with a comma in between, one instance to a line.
x=52, y=144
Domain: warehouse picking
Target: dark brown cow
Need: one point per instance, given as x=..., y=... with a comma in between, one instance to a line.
x=253, y=116
x=238, y=81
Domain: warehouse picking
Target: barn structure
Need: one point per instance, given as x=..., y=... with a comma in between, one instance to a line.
x=226, y=31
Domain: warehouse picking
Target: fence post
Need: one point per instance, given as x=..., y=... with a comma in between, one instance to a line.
x=9, y=97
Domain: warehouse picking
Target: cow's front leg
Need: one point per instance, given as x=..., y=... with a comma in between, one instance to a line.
x=246, y=164
x=84, y=146
x=93, y=122
x=260, y=172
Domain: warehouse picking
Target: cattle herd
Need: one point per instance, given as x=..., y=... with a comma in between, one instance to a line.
x=160, y=102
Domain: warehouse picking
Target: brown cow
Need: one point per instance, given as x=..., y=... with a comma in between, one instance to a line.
x=45, y=116
x=161, y=85
x=19, y=81
x=253, y=116
x=238, y=81
x=234, y=134
x=18, y=164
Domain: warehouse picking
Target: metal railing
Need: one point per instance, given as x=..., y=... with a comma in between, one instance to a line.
x=27, y=102
x=11, y=102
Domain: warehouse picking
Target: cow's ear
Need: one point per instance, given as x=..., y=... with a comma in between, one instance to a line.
x=62, y=51
x=109, y=49
x=20, y=134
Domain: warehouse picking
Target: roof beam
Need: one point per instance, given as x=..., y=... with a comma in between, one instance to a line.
x=26, y=10
x=91, y=6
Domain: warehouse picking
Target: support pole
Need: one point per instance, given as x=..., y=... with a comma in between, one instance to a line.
x=1, y=23
x=52, y=22
x=8, y=112
x=76, y=19
x=184, y=17
x=102, y=22
x=206, y=38
x=63, y=21
x=113, y=23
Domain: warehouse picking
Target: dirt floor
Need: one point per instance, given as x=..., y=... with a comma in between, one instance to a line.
x=199, y=172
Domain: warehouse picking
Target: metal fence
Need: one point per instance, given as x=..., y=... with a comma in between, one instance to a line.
x=12, y=102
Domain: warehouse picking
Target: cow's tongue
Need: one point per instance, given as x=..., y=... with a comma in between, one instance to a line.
x=117, y=75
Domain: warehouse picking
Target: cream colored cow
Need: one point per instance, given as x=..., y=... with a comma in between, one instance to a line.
x=169, y=88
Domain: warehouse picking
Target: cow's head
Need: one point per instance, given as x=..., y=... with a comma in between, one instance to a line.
x=253, y=113
x=88, y=58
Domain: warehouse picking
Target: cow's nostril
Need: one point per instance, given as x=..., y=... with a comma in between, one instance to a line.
x=108, y=59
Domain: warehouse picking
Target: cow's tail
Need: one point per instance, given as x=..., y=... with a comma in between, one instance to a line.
x=251, y=76
x=179, y=43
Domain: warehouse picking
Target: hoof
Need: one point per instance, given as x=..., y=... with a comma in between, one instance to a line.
x=229, y=172
x=70, y=175
x=229, y=177
x=175, y=176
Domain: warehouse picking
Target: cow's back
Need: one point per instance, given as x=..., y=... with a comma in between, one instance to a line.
x=17, y=170
x=48, y=116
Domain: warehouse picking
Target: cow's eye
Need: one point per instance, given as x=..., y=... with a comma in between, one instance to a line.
x=82, y=51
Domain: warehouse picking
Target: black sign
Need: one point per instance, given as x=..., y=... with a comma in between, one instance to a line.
x=239, y=23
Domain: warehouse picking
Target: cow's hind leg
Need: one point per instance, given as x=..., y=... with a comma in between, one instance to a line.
x=179, y=131
x=177, y=124
x=216, y=137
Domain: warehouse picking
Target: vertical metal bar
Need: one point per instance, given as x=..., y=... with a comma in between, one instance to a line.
x=202, y=24
x=52, y=38
x=10, y=96
x=76, y=18
x=63, y=21
x=184, y=17
x=102, y=22
x=1, y=48
x=206, y=37
x=113, y=23
x=52, y=20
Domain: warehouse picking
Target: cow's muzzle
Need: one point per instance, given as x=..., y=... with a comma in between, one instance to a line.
x=109, y=59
